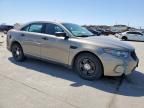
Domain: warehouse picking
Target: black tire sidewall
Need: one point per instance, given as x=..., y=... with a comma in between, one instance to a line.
x=21, y=57
x=124, y=38
x=98, y=72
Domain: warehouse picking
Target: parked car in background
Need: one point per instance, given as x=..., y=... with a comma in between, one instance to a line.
x=131, y=35
x=108, y=32
x=119, y=28
x=5, y=28
x=101, y=32
x=70, y=44
x=95, y=32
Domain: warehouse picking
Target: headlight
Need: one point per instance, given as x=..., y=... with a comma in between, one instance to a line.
x=118, y=53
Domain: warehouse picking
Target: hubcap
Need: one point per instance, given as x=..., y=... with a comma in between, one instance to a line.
x=17, y=52
x=87, y=67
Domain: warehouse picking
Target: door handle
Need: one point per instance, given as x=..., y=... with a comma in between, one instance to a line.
x=22, y=35
x=45, y=38
x=73, y=47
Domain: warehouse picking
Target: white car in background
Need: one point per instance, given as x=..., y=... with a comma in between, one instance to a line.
x=119, y=28
x=137, y=36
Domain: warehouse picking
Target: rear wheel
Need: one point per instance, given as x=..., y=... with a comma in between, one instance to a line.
x=17, y=52
x=124, y=38
x=88, y=66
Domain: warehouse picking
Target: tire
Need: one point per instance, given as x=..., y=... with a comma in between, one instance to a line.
x=17, y=53
x=124, y=38
x=88, y=66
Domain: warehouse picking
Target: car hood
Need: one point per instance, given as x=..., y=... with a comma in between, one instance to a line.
x=109, y=42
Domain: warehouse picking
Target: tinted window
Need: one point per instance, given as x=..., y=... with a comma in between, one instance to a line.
x=53, y=28
x=37, y=28
x=129, y=32
x=138, y=33
x=134, y=33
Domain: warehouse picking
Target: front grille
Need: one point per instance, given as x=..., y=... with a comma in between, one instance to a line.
x=133, y=55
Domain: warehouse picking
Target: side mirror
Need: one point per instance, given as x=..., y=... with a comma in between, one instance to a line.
x=61, y=34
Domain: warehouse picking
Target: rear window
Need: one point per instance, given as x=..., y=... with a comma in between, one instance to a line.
x=36, y=27
x=136, y=33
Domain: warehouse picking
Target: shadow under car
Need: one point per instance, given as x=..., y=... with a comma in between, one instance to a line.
x=132, y=85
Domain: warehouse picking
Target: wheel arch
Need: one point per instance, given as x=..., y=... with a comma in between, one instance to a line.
x=82, y=52
x=124, y=37
x=14, y=42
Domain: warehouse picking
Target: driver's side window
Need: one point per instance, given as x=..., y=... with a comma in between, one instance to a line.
x=52, y=29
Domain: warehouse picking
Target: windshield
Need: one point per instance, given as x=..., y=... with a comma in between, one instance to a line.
x=77, y=30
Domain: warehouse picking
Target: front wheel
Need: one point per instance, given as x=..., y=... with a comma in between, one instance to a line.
x=88, y=66
x=17, y=52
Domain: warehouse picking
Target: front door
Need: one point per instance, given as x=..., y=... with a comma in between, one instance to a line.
x=55, y=48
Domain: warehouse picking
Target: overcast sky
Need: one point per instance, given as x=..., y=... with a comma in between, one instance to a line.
x=99, y=12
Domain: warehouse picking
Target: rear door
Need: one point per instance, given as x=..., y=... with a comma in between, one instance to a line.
x=131, y=35
x=137, y=36
x=31, y=38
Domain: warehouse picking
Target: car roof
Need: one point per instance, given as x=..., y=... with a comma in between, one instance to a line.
x=38, y=22
x=55, y=22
